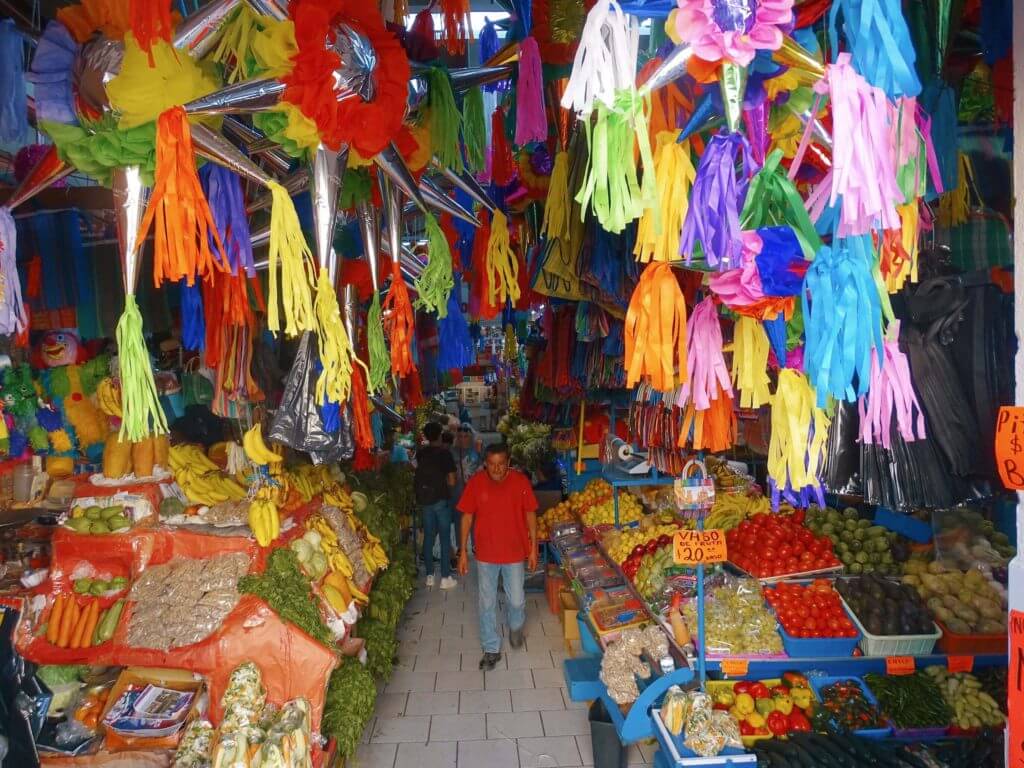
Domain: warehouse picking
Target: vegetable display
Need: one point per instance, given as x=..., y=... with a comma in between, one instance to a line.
x=351, y=697
x=861, y=546
x=736, y=620
x=971, y=706
x=286, y=589
x=779, y=545
x=965, y=601
x=849, y=707
x=910, y=701
x=886, y=607
x=810, y=611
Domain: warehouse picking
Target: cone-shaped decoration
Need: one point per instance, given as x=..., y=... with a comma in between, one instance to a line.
x=393, y=218
x=391, y=162
x=703, y=117
x=249, y=96
x=801, y=62
x=130, y=200
x=465, y=78
x=198, y=33
x=733, y=81
x=439, y=201
x=213, y=146
x=467, y=183
x=328, y=168
x=274, y=155
x=369, y=228
x=508, y=54
x=48, y=170
x=349, y=309
x=293, y=182
x=277, y=9
x=671, y=67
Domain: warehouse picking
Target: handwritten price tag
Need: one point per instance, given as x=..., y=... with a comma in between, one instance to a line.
x=735, y=667
x=960, y=664
x=1010, y=446
x=693, y=547
x=899, y=665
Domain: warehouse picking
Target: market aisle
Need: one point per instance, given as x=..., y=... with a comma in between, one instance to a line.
x=440, y=711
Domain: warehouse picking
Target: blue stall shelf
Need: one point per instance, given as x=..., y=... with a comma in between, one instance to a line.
x=588, y=642
x=911, y=527
x=583, y=678
x=854, y=666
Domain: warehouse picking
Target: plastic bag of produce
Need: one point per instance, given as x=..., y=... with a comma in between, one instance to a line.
x=299, y=423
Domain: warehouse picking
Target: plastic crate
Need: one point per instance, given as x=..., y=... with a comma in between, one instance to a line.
x=818, y=647
x=817, y=683
x=677, y=753
x=919, y=734
x=894, y=645
x=970, y=644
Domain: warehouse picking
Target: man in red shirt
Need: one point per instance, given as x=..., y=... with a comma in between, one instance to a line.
x=500, y=503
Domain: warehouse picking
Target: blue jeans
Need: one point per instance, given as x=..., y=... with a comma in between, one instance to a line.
x=437, y=522
x=512, y=575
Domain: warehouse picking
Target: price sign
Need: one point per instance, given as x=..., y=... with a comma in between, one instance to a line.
x=899, y=665
x=1015, y=692
x=1010, y=446
x=692, y=547
x=960, y=664
x=735, y=667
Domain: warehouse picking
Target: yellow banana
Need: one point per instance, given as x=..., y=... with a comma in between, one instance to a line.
x=256, y=449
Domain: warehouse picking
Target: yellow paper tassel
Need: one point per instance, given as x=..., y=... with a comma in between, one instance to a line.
x=657, y=235
x=274, y=46
x=750, y=362
x=794, y=456
x=502, y=266
x=336, y=353
x=556, y=208
x=141, y=93
x=954, y=205
x=288, y=247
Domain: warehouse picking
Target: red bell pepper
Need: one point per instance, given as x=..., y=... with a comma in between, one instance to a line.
x=778, y=723
x=798, y=722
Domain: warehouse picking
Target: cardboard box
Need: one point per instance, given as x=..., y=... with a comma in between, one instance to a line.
x=176, y=679
x=570, y=609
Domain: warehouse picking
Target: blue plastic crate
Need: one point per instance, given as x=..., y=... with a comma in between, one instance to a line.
x=676, y=753
x=911, y=527
x=583, y=677
x=817, y=683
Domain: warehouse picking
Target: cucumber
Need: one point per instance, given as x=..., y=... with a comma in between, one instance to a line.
x=109, y=624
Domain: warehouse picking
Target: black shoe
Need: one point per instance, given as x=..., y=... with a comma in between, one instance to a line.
x=515, y=638
x=489, y=661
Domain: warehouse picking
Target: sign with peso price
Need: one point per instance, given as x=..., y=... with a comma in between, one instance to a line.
x=693, y=547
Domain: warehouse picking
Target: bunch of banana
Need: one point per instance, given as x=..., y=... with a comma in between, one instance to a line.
x=337, y=559
x=108, y=397
x=374, y=556
x=263, y=518
x=340, y=592
x=256, y=449
x=208, y=488
x=302, y=483
x=731, y=509
x=191, y=456
x=338, y=497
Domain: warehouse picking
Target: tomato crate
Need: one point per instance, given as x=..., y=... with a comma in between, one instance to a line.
x=818, y=647
x=818, y=683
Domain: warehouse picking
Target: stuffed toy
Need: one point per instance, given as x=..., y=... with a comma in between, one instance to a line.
x=20, y=401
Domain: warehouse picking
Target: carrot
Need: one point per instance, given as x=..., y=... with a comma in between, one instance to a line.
x=53, y=628
x=90, y=626
x=67, y=623
x=83, y=619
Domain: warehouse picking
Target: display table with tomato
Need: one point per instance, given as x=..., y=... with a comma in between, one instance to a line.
x=780, y=546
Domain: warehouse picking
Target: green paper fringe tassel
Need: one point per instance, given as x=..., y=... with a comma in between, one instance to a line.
x=474, y=129
x=435, y=283
x=444, y=119
x=142, y=413
x=380, y=358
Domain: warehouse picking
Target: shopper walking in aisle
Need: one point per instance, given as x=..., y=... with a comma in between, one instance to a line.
x=468, y=459
x=499, y=506
x=433, y=482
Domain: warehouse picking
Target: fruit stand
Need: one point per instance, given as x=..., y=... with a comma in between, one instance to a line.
x=814, y=619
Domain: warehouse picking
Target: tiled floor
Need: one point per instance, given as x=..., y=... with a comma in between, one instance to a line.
x=439, y=711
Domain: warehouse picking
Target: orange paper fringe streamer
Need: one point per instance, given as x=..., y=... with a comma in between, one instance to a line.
x=457, y=29
x=184, y=225
x=362, y=431
x=714, y=430
x=150, y=21
x=656, y=330
x=399, y=322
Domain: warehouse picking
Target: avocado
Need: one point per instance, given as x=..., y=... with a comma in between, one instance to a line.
x=79, y=524
x=118, y=522
x=82, y=586
x=113, y=511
